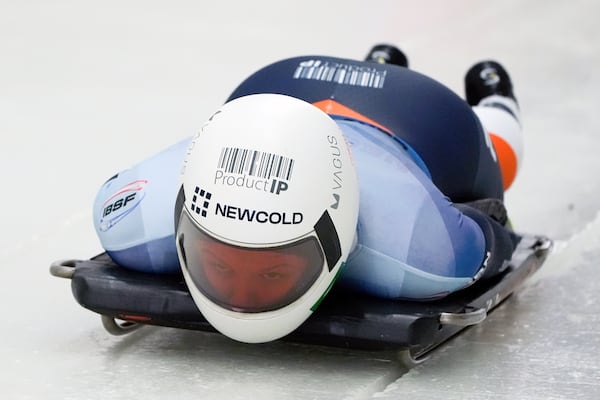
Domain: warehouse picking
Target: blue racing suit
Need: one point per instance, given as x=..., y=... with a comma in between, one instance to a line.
x=418, y=151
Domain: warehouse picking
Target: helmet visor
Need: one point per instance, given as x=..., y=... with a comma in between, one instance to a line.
x=248, y=279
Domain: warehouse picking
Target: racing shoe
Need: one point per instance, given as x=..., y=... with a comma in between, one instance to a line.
x=485, y=79
x=387, y=54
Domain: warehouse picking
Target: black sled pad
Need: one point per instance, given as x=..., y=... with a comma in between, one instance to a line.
x=344, y=319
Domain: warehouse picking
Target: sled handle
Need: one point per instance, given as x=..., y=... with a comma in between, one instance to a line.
x=542, y=244
x=118, y=328
x=63, y=268
x=463, y=319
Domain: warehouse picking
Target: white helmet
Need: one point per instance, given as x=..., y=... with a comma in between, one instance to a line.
x=266, y=215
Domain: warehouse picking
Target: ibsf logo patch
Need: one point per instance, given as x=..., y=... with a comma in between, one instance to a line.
x=122, y=203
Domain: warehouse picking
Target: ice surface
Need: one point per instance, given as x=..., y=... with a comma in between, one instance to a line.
x=89, y=88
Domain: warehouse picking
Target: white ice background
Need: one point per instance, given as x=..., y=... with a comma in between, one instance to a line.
x=87, y=88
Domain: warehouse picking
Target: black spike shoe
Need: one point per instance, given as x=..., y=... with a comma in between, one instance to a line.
x=387, y=54
x=487, y=78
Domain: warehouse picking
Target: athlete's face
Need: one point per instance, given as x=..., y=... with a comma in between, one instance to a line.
x=249, y=279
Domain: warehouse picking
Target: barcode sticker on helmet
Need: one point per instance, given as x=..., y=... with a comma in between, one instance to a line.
x=234, y=160
x=343, y=74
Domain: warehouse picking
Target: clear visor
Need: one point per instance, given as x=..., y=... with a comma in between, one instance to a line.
x=248, y=279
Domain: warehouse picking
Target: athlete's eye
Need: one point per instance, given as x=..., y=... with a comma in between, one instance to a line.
x=272, y=275
x=219, y=267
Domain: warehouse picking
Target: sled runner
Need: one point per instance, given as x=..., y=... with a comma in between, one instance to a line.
x=127, y=300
